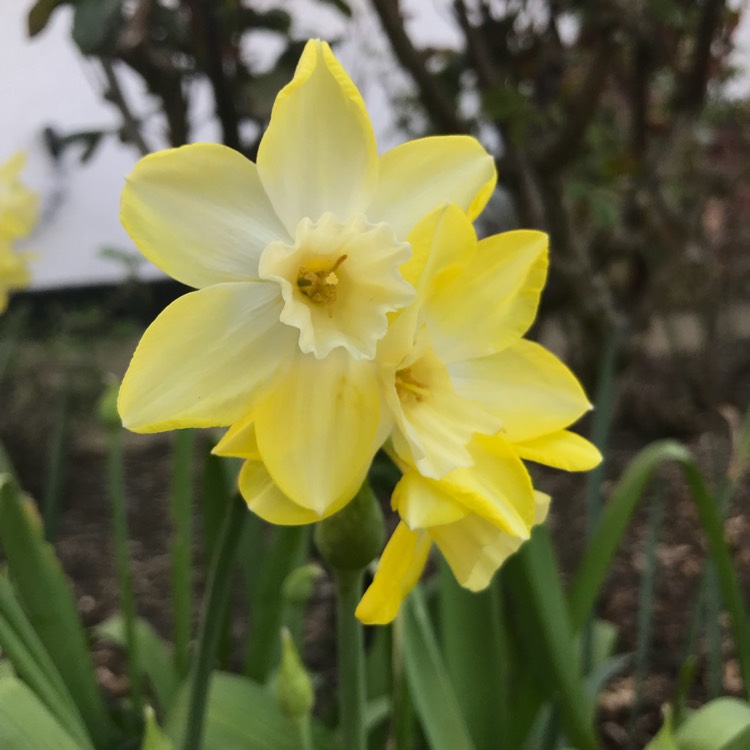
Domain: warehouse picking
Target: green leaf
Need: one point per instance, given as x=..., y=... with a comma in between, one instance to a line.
x=429, y=684
x=543, y=626
x=40, y=14
x=155, y=657
x=25, y=724
x=96, y=24
x=33, y=665
x=479, y=675
x=723, y=724
x=242, y=715
x=615, y=518
x=44, y=594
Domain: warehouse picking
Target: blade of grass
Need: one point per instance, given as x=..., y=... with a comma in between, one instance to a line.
x=645, y=608
x=434, y=699
x=181, y=547
x=116, y=485
x=56, y=468
x=45, y=596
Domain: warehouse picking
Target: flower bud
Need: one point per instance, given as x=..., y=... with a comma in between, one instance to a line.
x=294, y=690
x=299, y=585
x=353, y=537
x=107, y=406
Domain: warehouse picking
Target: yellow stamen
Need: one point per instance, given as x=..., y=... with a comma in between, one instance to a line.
x=320, y=286
x=406, y=383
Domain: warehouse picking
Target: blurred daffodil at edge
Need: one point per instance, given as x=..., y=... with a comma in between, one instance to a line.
x=19, y=209
x=296, y=262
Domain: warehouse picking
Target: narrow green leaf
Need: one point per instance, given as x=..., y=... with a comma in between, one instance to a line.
x=430, y=688
x=478, y=675
x=543, y=625
x=242, y=715
x=614, y=521
x=25, y=724
x=155, y=657
x=181, y=512
x=43, y=591
x=33, y=665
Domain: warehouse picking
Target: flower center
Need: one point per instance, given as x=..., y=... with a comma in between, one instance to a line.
x=339, y=282
x=320, y=286
x=408, y=387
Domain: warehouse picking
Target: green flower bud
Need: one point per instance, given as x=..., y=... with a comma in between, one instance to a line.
x=353, y=537
x=294, y=690
x=299, y=585
x=107, y=407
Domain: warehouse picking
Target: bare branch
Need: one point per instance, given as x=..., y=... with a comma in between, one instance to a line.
x=131, y=126
x=435, y=99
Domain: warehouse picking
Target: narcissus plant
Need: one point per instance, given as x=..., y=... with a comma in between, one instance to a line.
x=296, y=261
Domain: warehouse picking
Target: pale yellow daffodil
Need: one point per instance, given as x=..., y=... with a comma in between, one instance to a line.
x=19, y=210
x=296, y=261
x=470, y=399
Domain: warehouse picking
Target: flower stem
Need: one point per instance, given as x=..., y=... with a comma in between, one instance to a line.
x=350, y=660
x=180, y=552
x=212, y=615
x=122, y=565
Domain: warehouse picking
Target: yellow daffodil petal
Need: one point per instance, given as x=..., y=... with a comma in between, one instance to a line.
x=419, y=176
x=206, y=359
x=496, y=486
x=200, y=213
x=398, y=572
x=530, y=389
x=443, y=243
x=319, y=151
x=563, y=450
x=239, y=441
x=422, y=503
x=542, y=502
x=436, y=422
x=493, y=301
x=264, y=498
x=474, y=549
x=317, y=430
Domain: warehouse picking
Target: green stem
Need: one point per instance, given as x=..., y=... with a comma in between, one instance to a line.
x=350, y=660
x=122, y=565
x=181, y=512
x=212, y=614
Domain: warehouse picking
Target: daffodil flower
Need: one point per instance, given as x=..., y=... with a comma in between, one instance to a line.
x=470, y=398
x=297, y=265
x=19, y=206
x=19, y=209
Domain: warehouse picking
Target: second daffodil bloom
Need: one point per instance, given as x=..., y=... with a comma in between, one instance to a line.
x=19, y=210
x=296, y=264
x=470, y=398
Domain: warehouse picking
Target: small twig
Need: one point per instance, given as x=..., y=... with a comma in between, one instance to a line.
x=131, y=126
x=204, y=13
x=438, y=103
